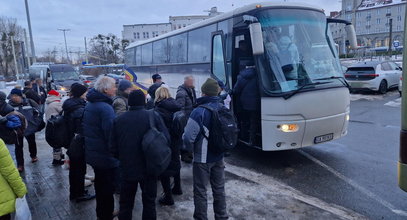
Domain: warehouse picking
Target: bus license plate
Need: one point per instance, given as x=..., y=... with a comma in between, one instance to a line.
x=323, y=138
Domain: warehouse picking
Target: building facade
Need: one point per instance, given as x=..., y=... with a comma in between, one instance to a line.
x=140, y=32
x=372, y=20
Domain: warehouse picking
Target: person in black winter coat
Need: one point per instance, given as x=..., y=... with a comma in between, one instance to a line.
x=30, y=93
x=73, y=112
x=247, y=90
x=5, y=108
x=166, y=107
x=157, y=83
x=29, y=109
x=42, y=93
x=97, y=123
x=186, y=97
x=127, y=134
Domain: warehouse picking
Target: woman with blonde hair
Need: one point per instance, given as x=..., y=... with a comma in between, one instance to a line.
x=166, y=106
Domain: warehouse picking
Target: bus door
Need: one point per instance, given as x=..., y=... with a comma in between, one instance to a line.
x=218, y=61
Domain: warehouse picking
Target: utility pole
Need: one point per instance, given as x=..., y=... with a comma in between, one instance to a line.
x=86, y=52
x=66, y=46
x=30, y=31
x=26, y=48
x=14, y=55
x=402, y=163
x=390, y=35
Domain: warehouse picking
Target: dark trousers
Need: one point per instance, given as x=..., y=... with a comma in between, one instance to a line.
x=32, y=147
x=203, y=174
x=104, y=188
x=128, y=193
x=250, y=121
x=5, y=217
x=77, y=171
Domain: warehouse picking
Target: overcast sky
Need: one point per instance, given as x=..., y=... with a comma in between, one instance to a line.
x=87, y=18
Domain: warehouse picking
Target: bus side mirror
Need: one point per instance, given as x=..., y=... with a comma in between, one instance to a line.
x=351, y=35
x=256, y=36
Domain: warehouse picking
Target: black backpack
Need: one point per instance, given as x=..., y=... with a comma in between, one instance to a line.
x=57, y=132
x=156, y=148
x=223, y=132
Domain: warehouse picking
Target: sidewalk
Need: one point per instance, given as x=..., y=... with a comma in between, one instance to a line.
x=249, y=195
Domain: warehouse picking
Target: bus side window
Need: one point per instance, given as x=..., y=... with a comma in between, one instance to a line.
x=218, y=58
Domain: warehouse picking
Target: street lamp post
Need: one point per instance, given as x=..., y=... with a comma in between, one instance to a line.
x=66, y=46
x=390, y=34
x=30, y=32
x=402, y=163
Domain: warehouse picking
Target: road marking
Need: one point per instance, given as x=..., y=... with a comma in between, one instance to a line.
x=277, y=187
x=395, y=103
x=354, y=184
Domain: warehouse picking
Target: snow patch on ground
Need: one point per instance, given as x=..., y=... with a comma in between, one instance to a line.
x=395, y=103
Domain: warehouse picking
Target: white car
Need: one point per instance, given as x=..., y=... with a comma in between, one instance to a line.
x=373, y=75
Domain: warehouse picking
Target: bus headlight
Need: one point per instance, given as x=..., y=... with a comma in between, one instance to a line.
x=288, y=127
x=347, y=117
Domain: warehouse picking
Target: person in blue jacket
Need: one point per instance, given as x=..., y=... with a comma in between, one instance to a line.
x=97, y=123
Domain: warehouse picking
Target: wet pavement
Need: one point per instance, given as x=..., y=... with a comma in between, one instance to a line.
x=250, y=195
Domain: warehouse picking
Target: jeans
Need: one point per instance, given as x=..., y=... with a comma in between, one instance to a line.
x=104, y=187
x=128, y=193
x=32, y=147
x=213, y=173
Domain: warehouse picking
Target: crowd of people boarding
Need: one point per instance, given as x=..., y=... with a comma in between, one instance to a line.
x=130, y=138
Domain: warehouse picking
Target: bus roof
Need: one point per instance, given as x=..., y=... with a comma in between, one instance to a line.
x=227, y=15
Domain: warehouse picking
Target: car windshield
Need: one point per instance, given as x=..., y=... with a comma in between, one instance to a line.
x=69, y=75
x=299, y=51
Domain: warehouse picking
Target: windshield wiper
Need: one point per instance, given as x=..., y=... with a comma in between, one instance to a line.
x=302, y=87
x=340, y=78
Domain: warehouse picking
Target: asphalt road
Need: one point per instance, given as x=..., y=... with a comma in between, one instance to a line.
x=358, y=172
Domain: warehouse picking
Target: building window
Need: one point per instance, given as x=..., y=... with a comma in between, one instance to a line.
x=184, y=25
x=378, y=21
x=359, y=14
x=135, y=35
x=399, y=9
x=399, y=18
x=179, y=26
x=147, y=35
x=398, y=27
x=368, y=23
x=144, y=35
x=378, y=11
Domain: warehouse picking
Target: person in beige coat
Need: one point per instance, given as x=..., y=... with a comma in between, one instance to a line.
x=54, y=107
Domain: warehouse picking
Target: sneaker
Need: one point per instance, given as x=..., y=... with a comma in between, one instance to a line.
x=89, y=177
x=84, y=197
x=88, y=183
x=20, y=169
x=34, y=159
x=166, y=199
x=57, y=162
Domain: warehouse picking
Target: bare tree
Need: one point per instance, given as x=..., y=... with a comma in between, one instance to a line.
x=8, y=28
x=106, y=49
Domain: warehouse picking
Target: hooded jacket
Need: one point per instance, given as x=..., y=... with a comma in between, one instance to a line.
x=54, y=106
x=199, y=122
x=247, y=89
x=5, y=108
x=29, y=109
x=31, y=94
x=97, y=124
x=73, y=112
x=11, y=184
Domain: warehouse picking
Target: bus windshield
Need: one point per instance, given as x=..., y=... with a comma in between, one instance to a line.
x=61, y=76
x=299, y=51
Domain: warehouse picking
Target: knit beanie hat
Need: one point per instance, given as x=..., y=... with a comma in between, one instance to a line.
x=3, y=96
x=124, y=84
x=77, y=90
x=210, y=87
x=53, y=92
x=16, y=91
x=137, y=98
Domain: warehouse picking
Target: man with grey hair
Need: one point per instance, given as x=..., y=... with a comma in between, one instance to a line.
x=186, y=97
x=97, y=123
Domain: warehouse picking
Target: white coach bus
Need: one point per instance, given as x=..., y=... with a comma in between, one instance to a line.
x=304, y=97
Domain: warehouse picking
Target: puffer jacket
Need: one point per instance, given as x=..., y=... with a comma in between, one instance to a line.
x=73, y=112
x=97, y=124
x=54, y=106
x=186, y=97
x=11, y=184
